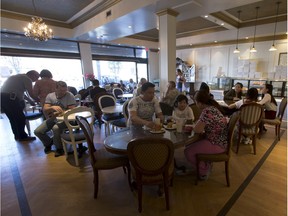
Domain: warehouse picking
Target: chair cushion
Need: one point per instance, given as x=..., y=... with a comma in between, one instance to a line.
x=32, y=115
x=113, y=116
x=275, y=121
x=79, y=135
x=119, y=123
x=107, y=160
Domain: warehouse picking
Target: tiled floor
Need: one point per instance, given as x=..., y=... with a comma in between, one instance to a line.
x=33, y=183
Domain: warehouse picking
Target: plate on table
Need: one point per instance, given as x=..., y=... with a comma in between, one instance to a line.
x=170, y=128
x=157, y=132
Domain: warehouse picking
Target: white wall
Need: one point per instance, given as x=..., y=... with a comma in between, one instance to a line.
x=208, y=60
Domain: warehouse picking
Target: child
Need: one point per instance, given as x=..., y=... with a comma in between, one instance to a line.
x=182, y=110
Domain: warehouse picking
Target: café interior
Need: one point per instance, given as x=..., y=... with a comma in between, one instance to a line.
x=210, y=41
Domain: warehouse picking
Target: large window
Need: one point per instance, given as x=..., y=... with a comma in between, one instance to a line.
x=67, y=70
x=114, y=71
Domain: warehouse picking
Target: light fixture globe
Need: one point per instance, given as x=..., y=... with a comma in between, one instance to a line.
x=273, y=48
x=253, y=50
x=236, y=50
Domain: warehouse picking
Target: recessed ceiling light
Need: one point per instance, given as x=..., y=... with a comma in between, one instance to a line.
x=190, y=44
x=222, y=24
x=215, y=41
x=246, y=38
x=206, y=16
x=129, y=26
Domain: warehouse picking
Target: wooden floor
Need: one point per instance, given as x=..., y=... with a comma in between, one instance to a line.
x=33, y=183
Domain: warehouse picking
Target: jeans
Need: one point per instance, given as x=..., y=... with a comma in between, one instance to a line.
x=57, y=128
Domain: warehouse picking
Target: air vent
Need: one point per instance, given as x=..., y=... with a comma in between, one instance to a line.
x=108, y=13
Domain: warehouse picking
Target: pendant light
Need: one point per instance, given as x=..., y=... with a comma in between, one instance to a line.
x=253, y=49
x=236, y=49
x=273, y=48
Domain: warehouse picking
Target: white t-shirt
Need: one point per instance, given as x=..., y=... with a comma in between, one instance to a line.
x=187, y=113
x=144, y=109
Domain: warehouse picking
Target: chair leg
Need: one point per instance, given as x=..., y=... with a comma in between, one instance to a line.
x=65, y=149
x=96, y=183
x=166, y=190
x=75, y=154
x=227, y=173
x=129, y=176
x=254, y=144
x=197, y=170
x=238, y=141
x=139, y=188
x=278, y=131
x=28, y=127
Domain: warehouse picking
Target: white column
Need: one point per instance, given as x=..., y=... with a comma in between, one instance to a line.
x=167, y=41
x=86, y=60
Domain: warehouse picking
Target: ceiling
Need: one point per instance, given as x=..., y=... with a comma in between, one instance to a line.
x=110, y=20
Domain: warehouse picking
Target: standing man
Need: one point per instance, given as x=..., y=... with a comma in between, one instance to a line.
x=55, y=104
x=12, y=101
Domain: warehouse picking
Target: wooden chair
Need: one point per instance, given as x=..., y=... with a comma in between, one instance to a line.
x=152, y=160
x=166, y=109
x=31, y=115
x=221, y=157
x=116, y=92
x=278, y=120
x=196, y=111
x=250, y=118
x=105, y=101
x=101, y=159
x=73, y=135
x=121, y=123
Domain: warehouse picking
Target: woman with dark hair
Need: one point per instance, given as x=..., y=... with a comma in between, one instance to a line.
x=269, y=102
x=44, y=86
x=213, y=123
x=180, y=80
x=206, y=88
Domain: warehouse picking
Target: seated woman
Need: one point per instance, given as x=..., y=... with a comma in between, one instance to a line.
x=234, y=94
x=269, y=102
x=213, y=123
x=182, y=110
x=142, y=108
x=171, y=94
x=206, y=88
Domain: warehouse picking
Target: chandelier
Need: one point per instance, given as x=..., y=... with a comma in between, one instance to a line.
x=37, y=29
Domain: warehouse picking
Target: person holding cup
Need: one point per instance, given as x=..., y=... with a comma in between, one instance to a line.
x=142, y=108
x=213, y=124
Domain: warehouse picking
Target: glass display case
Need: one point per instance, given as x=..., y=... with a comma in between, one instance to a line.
x=279, y=88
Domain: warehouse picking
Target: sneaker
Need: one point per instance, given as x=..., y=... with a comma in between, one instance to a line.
x=47, y=149
x=247, y=141
x=28, y=138
x=59, y=152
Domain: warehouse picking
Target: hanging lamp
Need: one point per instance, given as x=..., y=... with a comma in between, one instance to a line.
x=253, y=49
x=273, y=48
x=236, y=49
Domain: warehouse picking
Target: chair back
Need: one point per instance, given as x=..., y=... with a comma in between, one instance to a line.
x=88, y=132
x=151, y=156
x=282, y=108
x=116, y=92
x=250, y=116
x=106, y=100
x=125, y=110
x=71, y=123
x=196, y=111
x=166, y=109
x=231, y=128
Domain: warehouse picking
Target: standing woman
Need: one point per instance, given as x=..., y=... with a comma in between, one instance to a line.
x=180, y=80
x=269, y=102
x=214, y=125
x=44, y=86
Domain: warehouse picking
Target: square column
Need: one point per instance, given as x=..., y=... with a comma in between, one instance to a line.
x=167, y=42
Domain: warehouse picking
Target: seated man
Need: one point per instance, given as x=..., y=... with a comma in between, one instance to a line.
x=142, y=108
x=138, y=90
x=55, y=104
x=171, y=94
x=234, y=94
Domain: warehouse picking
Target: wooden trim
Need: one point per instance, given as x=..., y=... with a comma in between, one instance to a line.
x=167, y=11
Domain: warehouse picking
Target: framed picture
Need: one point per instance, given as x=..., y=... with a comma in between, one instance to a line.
x=282, y=59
